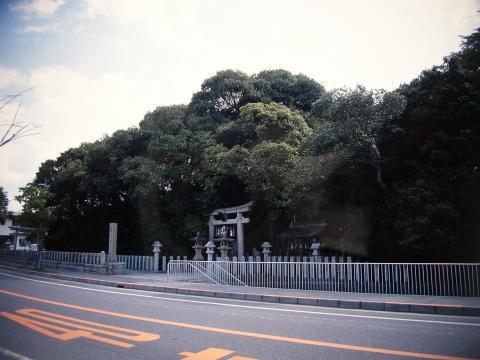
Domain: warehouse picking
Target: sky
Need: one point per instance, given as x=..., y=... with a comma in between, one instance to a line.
x=96, y=66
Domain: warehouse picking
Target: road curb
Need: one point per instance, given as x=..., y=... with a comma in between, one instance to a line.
x=300, y=300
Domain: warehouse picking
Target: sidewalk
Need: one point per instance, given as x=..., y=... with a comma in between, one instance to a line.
x=445, y=305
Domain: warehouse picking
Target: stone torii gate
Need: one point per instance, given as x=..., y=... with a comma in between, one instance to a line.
x=239, y=220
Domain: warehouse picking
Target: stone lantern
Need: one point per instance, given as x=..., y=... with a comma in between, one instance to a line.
x=224, y=244
x=210, y=250
x=198, y=246
x=156, y=254
x=315, y=249
x=266, y=250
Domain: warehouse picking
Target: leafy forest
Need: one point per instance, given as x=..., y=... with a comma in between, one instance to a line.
x=395, y=175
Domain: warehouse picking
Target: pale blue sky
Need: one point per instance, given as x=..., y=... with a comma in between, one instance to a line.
x=99, y=65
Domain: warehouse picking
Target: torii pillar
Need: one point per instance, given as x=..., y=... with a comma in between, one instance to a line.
x=239, y=220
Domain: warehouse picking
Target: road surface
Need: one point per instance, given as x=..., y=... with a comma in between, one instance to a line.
x=50, y=319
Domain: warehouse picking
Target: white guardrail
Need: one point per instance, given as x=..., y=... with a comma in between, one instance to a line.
x=439, y=279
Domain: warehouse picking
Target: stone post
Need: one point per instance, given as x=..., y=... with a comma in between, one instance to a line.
x=240, y=238
x=211, y=229
x=112, y=242
x=156, y=254
x=266, y=250
x=164, y=263
x=210, y=250
x=103, y=258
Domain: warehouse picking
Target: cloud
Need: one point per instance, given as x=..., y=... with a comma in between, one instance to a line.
x=7, y=77
x=71, y=108
x=121, y=11
x=53, y=27
x=38, y=7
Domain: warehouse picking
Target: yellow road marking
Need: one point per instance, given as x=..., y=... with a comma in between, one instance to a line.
x=78, y=331
x=238, y=332
x=208, y=354
x=212, y=354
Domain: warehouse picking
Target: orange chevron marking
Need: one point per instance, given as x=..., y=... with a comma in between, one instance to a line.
x=72, y=328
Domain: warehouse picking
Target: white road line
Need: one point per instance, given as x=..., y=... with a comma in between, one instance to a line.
x=248, y=306
x=10, y=354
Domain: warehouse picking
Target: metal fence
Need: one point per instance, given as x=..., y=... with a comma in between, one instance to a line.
x=380, y=278
x=134, y=262
x=57, y=256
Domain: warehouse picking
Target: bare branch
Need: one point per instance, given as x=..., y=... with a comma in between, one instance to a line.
x=19, y=137
x=15, y=129
x=7, y=99
x=12, y=124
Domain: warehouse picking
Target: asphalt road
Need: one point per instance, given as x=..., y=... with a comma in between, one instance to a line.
x=50, y=319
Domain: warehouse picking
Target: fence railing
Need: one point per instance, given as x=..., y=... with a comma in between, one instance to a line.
x=381, y=278
x=132, y=262
x=210, y=272
x=56, y=256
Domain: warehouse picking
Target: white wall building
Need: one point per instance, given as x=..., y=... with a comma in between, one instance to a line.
x=5, y=227
x=15, y=237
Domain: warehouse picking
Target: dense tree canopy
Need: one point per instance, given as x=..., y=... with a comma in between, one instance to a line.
x=224, y=93
x=295, y=91
x=394, y=173
x=432, y=156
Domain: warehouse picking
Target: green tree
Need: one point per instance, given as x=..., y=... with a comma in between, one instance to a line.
x=37, y=212
x=261, y=158
x=280, y=86
x=349, y=123
x=269, y=175
x=165, y=119
x=344, y=164
x=223, y=93
x=260, y=122
x=435, y=143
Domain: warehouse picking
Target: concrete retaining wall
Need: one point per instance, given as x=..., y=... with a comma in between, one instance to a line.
x=105, y=269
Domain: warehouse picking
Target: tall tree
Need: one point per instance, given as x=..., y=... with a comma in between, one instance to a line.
x=349, y=123
x=431, y=161
x=37, y=212
x=260, y=122
x=295, y=91
x=346, y=162
x=223, y=93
